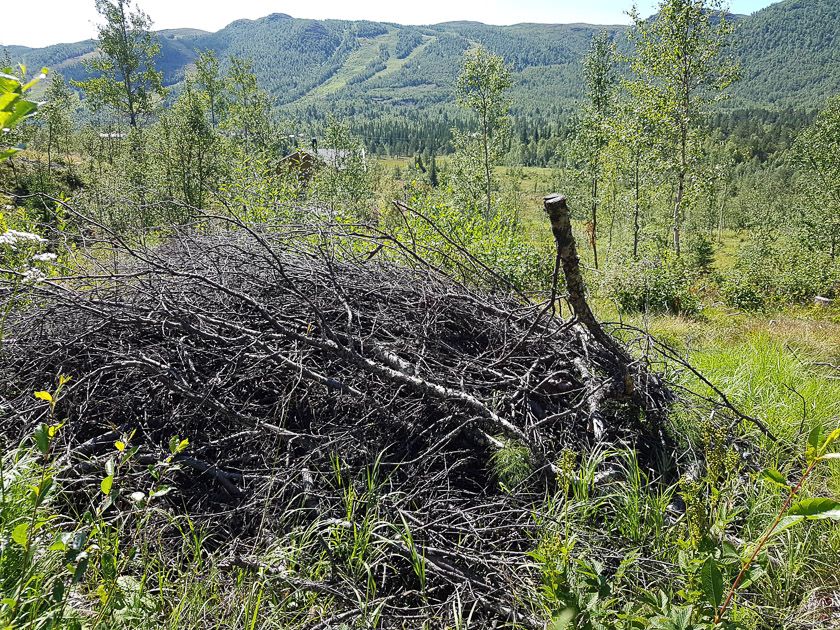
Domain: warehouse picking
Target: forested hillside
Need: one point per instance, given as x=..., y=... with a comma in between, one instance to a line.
x=788, y=53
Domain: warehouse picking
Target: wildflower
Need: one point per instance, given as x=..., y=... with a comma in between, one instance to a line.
x=45, y=258
x=12, y=237
x=33, y=275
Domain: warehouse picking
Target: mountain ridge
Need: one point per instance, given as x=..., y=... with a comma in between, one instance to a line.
x=788, y=50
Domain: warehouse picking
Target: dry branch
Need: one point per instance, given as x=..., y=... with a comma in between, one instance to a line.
x=310, y=351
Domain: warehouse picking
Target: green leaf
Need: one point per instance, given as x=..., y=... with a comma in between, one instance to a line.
x=81, y=567
x=58, y=591
x=106, y=485
x=20, y=534
x=816, y=509
x=773, y=476
x=786, y=523
x=815, y=437
x=712, y=582
x=42, y=439
x=160, y=492
x=43, y=489
x=563, y=620
x=35, y=80
x=831, y=437
x=754, y=574
x=109, y=467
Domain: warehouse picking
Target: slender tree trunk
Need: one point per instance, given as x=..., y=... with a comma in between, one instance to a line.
x=49, y=150
x=720, y=215
x=678, y=211
x=636, y=202
x=486, y=164
x=594, y=237
x=678, y=201
x=126, y=72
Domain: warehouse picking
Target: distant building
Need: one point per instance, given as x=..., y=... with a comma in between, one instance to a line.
x=304, y=163
x=307, y=162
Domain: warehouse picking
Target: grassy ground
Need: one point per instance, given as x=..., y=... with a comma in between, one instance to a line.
x=601, y=549
x=759, y=361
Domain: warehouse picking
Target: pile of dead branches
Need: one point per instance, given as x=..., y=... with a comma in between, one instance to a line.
x=301, y=362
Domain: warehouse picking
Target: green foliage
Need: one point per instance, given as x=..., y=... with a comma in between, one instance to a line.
x=601, y=82
x=701, y=253
x=511, y=465
x=444, y=232
x=482, y=88
x=14, y=107
x=345, y=181
x=662, y=284
x=680, y=68
x=817, y=153
x=124, y=73
x=788, y=47
x=773, y=269
x=248, y=114
x=58, y=121
x=190, y=148
x=209, y=78
x=770, y=44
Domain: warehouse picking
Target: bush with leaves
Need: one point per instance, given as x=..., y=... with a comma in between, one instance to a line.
x=445, y=230
x=58, y=571
x=657, y=284
x=776, y=269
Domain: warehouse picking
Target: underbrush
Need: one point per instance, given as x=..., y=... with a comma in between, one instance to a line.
x=626, y=550
x=773, y=270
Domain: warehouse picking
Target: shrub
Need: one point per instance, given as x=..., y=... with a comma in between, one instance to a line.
x=779, y=270
x=447, y=234
x=701, y=253
x=660, y=284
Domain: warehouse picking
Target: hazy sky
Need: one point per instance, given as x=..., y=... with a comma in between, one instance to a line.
x=43, y=22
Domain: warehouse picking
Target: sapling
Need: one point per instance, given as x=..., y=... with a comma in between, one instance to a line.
x=789, y=515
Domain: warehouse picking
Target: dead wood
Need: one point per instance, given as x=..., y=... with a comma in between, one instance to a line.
x=298, y=364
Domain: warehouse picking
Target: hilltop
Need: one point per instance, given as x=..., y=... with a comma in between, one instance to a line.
x=788, y=52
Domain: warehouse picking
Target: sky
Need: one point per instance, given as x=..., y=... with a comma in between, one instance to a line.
x=43, y=22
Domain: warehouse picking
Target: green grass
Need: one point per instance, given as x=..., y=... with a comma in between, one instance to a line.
x=595, y=542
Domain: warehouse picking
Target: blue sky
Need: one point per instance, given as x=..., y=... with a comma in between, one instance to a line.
x=52, y=21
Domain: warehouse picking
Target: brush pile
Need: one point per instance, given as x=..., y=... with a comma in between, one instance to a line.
x=333, y=388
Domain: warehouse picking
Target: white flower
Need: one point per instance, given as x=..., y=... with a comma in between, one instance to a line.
x=33, y=275
x=45, y=258
x=28, y=236
x=11, y=237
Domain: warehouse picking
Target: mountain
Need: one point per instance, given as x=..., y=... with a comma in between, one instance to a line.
x=789, y=51
x=790, y=54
